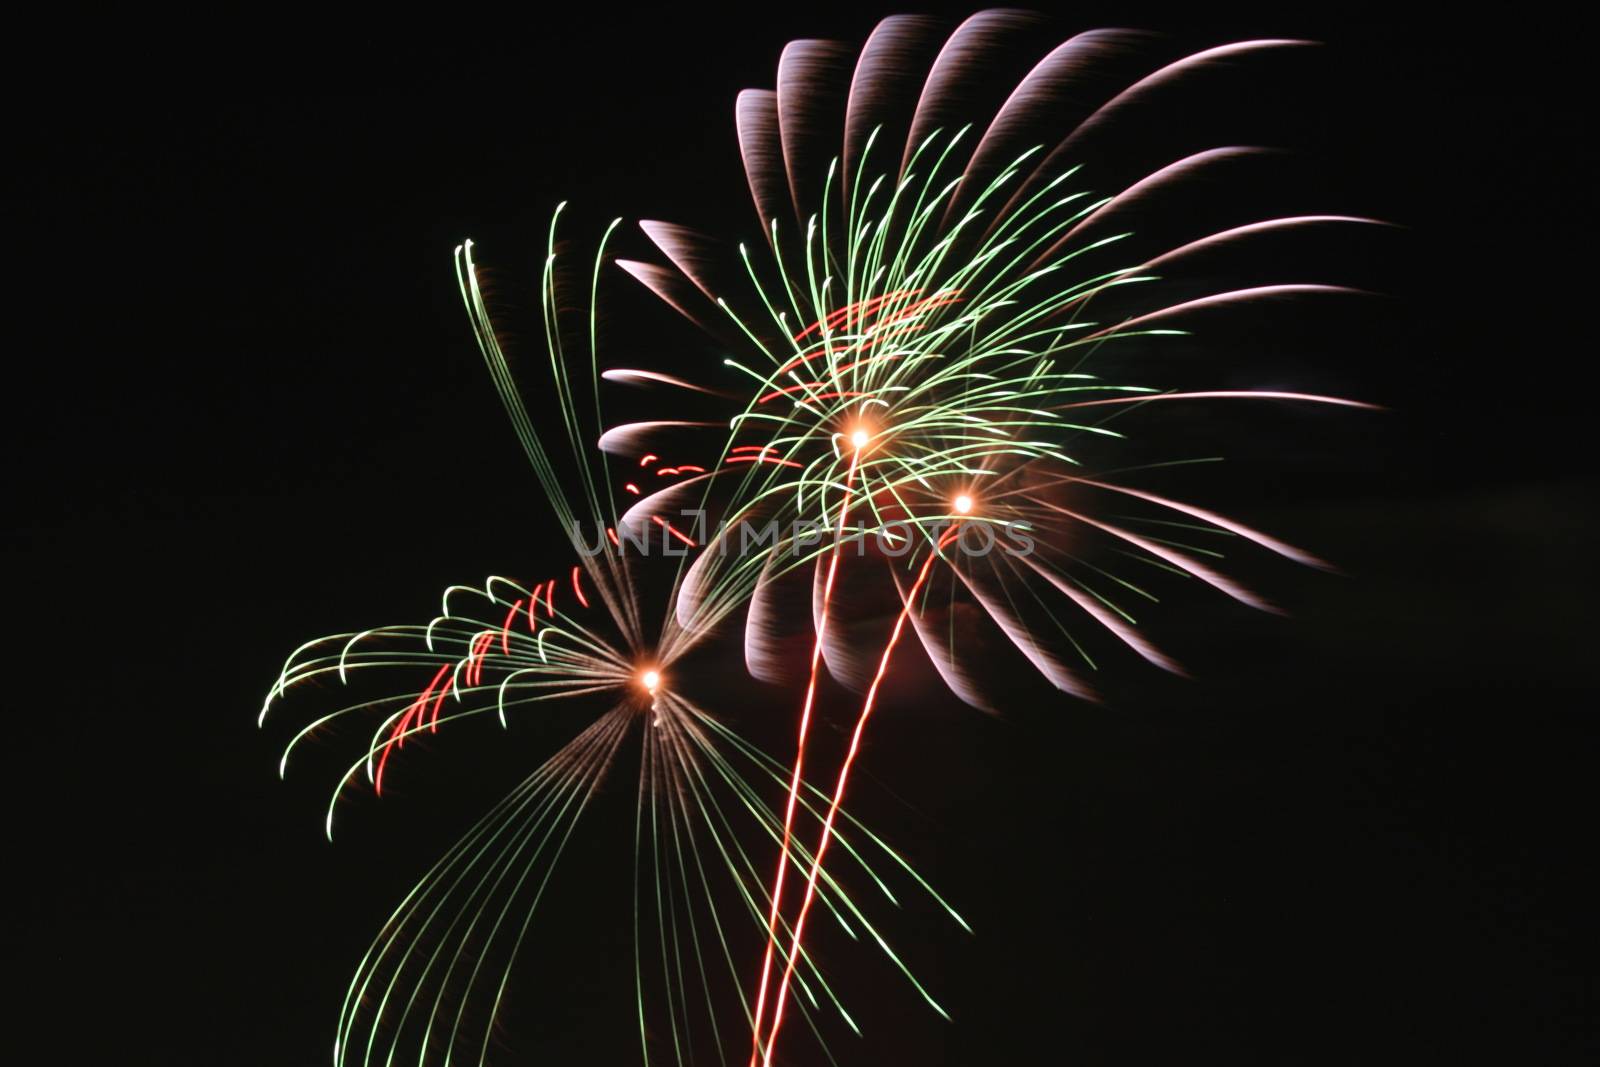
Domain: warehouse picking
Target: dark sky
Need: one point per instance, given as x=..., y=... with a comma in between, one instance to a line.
x=244, y=409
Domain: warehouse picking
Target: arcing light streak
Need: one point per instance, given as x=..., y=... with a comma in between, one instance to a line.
x=838, y=798
x=799, y=763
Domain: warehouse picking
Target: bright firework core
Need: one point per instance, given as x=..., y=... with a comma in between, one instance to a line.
x=859, y=439
x=963, y=504
x=650, y=679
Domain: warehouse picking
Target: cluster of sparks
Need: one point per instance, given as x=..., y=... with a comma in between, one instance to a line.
x=920, y=360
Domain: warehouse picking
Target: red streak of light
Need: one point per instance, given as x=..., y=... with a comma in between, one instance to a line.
x=383, y=760
x=433, y=722
x=630, y=487
x=764, y=459
x=667, y=526
x=505, y=634
x=648, y=458
x=861, y=308
x=910, y=327
x=864, y=362
x=578, y=589
x=794, y=780
x=533, y=602
x=397, y=737
x=422, y=702
x=612, y=533
x=480, y=647
x=838, y=795
x=786, y=390
x=797, y=360
x=753, y=448
x=938, y=300
x=550, y=598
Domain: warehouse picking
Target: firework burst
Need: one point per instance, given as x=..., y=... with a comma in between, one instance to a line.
x=434, y=982
x=943, y=337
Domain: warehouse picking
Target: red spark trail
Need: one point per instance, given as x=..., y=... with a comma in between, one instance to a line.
x=937, y=300
x=838, y=794
x=860, y=309
x=480, y=648
x=578, y=589
x=794, y=780
x=667, y=526
x=764, y=459
x=505, y=634
x=433, y=722
x=397, y=738
x=786, y=390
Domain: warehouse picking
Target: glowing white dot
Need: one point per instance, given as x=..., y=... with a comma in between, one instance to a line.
x=963, y=504
x=860, y=438
x=651, y=679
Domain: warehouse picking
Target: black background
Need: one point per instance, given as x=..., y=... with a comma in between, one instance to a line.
x=243, y=409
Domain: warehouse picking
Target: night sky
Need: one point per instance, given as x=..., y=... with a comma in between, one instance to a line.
x=245, y=409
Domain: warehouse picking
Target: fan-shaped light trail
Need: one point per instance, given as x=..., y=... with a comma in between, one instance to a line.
x=948, y=298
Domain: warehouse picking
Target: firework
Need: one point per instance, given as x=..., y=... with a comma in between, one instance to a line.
x=436, y=978
x=944, y=335
x=946, y=340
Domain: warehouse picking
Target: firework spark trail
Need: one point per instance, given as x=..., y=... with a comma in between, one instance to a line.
x=838, y=797
x=437, y=976
x=949, y=293
x=798, y=773
x=959, y=383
